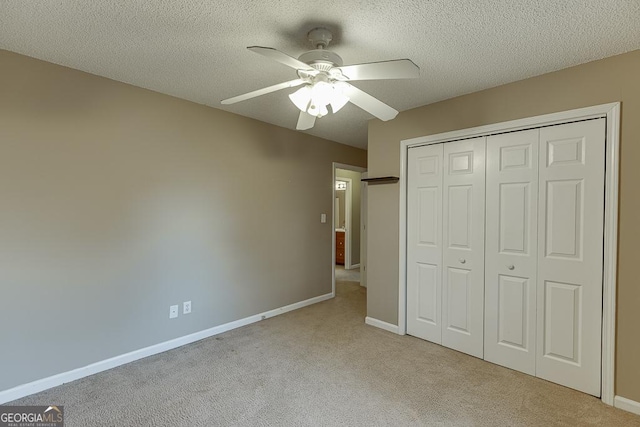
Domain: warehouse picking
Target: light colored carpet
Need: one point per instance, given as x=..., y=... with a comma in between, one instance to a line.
x=321, y=366
x=343, y=275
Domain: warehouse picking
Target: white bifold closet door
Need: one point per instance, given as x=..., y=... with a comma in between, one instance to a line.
x=521, y=287
x=463, y=244
x=545, y=215
x=424, y=242
x=445, y=244
x=570, y=254
x=511, y=250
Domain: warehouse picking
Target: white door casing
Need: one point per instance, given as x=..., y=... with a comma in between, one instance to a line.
x=363, y=232
x=570, y=254
x=424, y=243
x=348, y=206
x=463, y=225
x=511, y=250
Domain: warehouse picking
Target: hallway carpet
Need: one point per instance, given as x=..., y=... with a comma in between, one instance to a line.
x=343, y=275
x=321, y=366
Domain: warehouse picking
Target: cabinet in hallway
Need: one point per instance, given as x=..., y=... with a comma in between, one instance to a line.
x=340, y=247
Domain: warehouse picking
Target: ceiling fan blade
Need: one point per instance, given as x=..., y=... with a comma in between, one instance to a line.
x=370, y=104
x=305, y=121
x=263, y=91
x=397, y=69
x=282, y=58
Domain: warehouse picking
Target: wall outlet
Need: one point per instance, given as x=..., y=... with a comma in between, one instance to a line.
x=186, y=307
x=173, y=312
x=323, y=218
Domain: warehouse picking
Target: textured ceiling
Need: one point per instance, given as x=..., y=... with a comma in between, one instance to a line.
x=196, y=49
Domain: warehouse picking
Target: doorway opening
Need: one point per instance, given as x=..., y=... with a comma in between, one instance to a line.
x=349, y=223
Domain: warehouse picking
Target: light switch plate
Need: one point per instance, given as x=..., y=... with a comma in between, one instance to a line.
x=186, y=307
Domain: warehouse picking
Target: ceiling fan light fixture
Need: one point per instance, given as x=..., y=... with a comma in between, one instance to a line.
x=337, y=105
x=339, y=97
x=322, y=92
x=324, y=81
x=323, y=111
x=301, y=98
x=318, y=110
x=339, y=100
x=315, y=98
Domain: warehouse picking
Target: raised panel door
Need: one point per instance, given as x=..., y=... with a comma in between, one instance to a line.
x=570, y=254
x=424, y=242
x=511, y=250
x=463, y=246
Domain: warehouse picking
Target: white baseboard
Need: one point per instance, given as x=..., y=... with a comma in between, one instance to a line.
x=627, y=404
x=354, y=266
x=380, y=324
x=75, y=374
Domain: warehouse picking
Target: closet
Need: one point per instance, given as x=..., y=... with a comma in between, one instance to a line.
x=505, y=249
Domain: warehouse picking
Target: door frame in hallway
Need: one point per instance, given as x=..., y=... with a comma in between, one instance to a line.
x=348, y=201
x=353, y=168
x=612, y=158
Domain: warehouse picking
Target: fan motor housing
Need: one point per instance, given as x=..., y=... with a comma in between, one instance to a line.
x=321, y=59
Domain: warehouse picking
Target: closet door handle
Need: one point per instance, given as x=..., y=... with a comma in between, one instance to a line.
x=462, y=260
x=511, y=267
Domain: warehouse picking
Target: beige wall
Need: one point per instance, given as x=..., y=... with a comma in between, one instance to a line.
x=355, y=211
x=608, y=80
x=116, y=202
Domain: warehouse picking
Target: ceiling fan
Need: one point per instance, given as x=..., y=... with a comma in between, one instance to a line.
x=325, y=81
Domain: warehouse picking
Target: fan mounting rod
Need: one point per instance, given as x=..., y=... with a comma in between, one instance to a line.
x=320, y=37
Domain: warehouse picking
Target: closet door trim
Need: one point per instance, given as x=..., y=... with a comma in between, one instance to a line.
x=612, y=145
